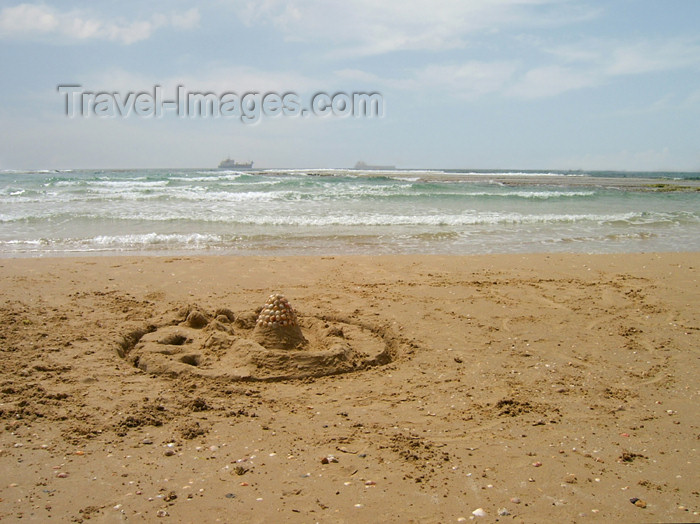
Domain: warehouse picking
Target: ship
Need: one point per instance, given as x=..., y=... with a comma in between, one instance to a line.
x=362, y=165
x=232, y=164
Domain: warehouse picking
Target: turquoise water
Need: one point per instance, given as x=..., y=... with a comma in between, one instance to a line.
x=334, y=211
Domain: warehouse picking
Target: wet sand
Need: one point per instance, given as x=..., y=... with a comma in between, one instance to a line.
x=546, y=388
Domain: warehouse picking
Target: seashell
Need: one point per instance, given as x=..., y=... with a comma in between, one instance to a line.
x=277, y=324
x=276, y=312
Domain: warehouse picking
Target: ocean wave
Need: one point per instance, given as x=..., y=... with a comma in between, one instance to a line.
x=516, y=173
x=102, y=211
x=214, y=177
x=116, y=243
x=467, y=219
x=325, y=217
x=150, y=239
x=506, y=194
x=127, y=184
x=283, y=190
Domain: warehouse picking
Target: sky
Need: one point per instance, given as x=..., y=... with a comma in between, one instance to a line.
x=471, y=84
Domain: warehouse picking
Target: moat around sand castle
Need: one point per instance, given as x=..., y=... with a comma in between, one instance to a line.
x=271, y=342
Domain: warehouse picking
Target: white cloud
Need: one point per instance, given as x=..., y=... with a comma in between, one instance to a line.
x=597, y=62
x=616, y=57
x=215, y=79
x=552, y=80
x=467, y=79
x=187, y=20
x=653, y=56
x=39, y=21
x=27, y=17
x=369, y=27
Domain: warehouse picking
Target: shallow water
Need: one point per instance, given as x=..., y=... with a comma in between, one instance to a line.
x=341, y=211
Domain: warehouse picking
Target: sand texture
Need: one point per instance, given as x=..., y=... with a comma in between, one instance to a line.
x=538, y=388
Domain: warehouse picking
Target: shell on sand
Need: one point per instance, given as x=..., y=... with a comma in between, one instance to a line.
x=277, y=326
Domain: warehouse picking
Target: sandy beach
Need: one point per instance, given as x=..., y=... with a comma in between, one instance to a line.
x=524, y=388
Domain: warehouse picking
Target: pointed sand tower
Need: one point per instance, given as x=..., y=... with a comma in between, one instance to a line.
x=277, y=327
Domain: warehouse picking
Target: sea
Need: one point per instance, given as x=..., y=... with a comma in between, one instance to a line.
x=47, y=213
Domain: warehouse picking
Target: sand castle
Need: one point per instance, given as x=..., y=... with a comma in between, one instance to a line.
x=277, y=327
x=271, y=342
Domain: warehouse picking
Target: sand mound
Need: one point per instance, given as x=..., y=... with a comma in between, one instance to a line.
x=271, y=343
x=277, y=326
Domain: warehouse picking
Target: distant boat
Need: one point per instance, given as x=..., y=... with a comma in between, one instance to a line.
x=362, y=165
x=232, y=164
